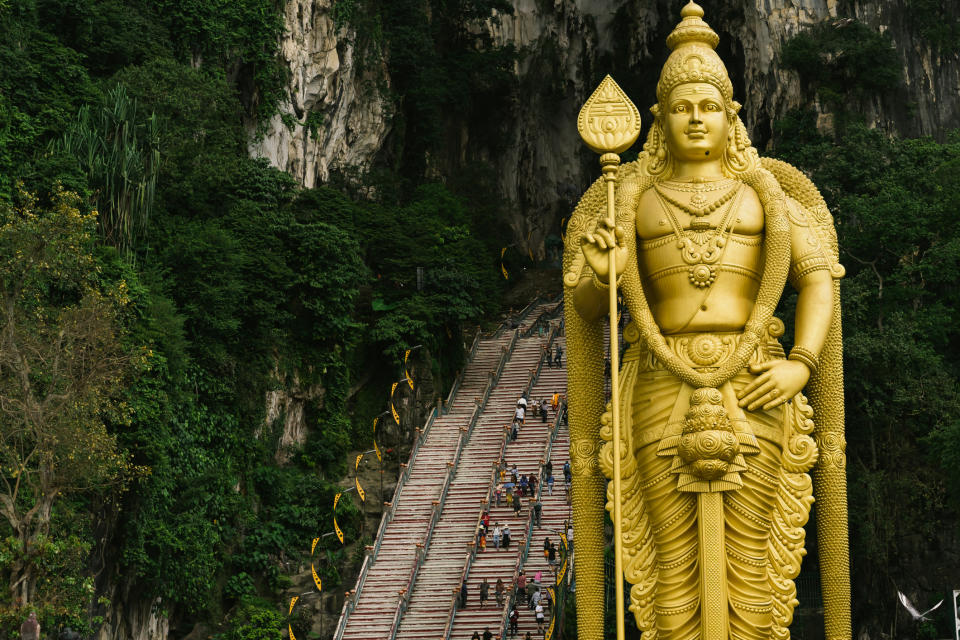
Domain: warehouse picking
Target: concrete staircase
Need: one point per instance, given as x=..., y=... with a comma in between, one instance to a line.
x=425, y=547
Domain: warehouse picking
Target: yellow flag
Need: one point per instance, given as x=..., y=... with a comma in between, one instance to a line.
x=293, y=601
x=503, y=268
x=375, y=446
x=290, y=629
x=393, y=409
x=406, y=371
x=356, y=478
x=316, y=578
x=336, y=527
x=314, y=545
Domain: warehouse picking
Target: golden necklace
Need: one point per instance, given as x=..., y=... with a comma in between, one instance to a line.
x=698, y=206
x=702, y=246
x=697, y=185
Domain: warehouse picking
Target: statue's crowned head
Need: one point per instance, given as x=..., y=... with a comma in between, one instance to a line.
x=695, y=65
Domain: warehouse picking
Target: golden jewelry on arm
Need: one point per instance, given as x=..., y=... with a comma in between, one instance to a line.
x=603, y=286
x=805, y=356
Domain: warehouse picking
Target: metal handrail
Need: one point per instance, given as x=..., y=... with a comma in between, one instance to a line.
x=468, y=561
x=522, y=556
x=452, y=395
x=462, y=440
x=520, y=317
x=354, y=596
x=546, y=315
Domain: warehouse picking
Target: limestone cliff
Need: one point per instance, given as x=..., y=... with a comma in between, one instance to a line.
x=567, y=46
x=333, y=116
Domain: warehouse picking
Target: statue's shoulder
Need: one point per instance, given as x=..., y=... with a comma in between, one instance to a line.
x=806, y=206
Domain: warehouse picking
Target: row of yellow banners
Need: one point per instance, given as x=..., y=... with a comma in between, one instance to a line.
x=356, y=478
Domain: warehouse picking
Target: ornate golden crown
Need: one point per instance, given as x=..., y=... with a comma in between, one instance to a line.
x=693, y=58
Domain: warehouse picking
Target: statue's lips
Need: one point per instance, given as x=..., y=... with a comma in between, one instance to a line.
x=697, y=134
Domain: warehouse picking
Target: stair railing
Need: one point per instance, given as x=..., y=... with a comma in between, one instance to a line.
x=519, y=317
x=472, y=545
x=545, y=316
x=451, y=396
x=350, y=602
x=524, y=553
x=462, y=439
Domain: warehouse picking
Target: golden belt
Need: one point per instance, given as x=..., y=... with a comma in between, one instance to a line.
x=704, y=351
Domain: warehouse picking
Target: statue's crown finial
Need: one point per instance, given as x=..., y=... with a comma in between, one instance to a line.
x=692, y=10
x=692, y=28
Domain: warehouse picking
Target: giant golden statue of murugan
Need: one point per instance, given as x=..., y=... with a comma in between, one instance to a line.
x=718, y=441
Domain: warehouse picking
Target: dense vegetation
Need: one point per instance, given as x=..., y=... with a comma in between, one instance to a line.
x=123, y=128
x=131, y=215
x=893, y=201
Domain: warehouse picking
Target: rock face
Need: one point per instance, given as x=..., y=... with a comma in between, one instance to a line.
x=289, y=404
x=132, y=618
x=334, y=116
x=567, y=47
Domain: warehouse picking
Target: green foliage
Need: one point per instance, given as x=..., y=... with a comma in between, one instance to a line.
x=255, y=620
x=935, y=21
x=894, y=202
x=60, y=563
x=841, y=59
x=237, y=35
x=111, y=34
x=61, y=367
x=458, y=279
x=42, y=85
x=118, y=150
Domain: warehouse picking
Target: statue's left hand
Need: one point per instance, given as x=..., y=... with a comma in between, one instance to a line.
x=777, y=381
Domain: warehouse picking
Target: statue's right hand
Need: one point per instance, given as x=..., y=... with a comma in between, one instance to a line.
x=597, y=244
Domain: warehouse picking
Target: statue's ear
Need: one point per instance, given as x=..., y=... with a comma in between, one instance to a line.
x=736, y=106
x=655, y=110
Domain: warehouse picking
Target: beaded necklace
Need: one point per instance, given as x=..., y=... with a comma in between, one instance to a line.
x=699, y=207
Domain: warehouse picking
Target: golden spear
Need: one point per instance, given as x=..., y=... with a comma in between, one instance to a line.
x=609, y=124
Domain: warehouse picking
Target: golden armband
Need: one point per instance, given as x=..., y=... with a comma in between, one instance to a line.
x=807, y=265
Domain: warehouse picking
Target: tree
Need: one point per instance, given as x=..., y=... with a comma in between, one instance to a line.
x=121, y=157
x=61, y=361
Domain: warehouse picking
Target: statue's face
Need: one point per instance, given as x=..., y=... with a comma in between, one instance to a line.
x=696, y=123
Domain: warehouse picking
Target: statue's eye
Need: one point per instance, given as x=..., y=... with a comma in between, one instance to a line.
x=712, y=106
x=680, y=108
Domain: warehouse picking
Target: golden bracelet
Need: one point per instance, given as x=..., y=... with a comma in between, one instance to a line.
x=603, y=286
x=805, y=356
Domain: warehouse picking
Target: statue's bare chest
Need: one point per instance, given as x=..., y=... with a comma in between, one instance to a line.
x=673, y=208
x=694, y=243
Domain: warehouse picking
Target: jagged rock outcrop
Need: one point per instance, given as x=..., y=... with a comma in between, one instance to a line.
x=571, y=44
x=567, y=46
x=286, y=409
x=333, y=116
x=132, y=618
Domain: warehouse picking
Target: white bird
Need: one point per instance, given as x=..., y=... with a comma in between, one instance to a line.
x=913, y=610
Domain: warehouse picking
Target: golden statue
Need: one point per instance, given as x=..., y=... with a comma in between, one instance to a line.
x=712, y=484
